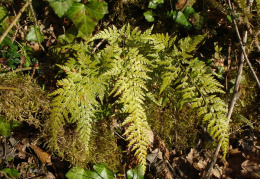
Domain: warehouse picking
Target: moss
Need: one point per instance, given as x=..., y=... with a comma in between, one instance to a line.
x=28, y=103
x=103, y=146
x=176, y=129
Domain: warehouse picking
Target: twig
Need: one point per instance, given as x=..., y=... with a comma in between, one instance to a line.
x=34, y=67
x=8, y=88
x=35, y=26
x=234, y=98
x=239, y=74
x=227, y=71
x=14, y=21
x=256, y=41
x=235, y=92
x=97, y=46
x=23, y=69
x=119, y=136
x=242, y=44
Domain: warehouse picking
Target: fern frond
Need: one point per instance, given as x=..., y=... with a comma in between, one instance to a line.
x=131, y=87
x=242, y=118
x=160, y=41
x=188, y=44
x=190, y=79
x=125, y=62
x=110, y=34
x=76, y=100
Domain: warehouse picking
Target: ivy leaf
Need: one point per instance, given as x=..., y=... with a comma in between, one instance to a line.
x=135, y=173
x=153, y=3
x=180, y=18
x=77, y=173
x=103, y=172
x=31, y=36
x=86, y=16
x=100, y=172
x=12, y=172
x=149, y=16
x=188, y=11
x=60, y=6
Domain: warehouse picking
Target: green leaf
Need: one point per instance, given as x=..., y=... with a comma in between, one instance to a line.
x=86, y=16
x=180, y=18
x=135, y=173
x=78, y=173
x=10, y=159
x=6, y=127
x=221, y=70
x=149, y=16
x=6, y=42
x=3, y=18
x=12, y=172
x=154, y=3
x=103, y=171
x=229, y=18
x=60, y=7
x=31, y=36
x=188, y=11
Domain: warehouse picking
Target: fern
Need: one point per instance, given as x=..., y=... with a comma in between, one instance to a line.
x=240, y=118
x=76, y=101
x=189, y=78
x=126, y=68
x=130, y=68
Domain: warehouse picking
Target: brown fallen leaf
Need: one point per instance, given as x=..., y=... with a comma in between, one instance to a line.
x=234, y=152
x=180, y=4
x=43, y=156
x=21, y=151
x=251, y=169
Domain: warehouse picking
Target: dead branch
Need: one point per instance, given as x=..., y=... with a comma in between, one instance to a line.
x=232, y=104
x=97, y=46
x=14, y=21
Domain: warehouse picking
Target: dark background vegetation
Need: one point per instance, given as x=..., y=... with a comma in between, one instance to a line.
x=28, y=73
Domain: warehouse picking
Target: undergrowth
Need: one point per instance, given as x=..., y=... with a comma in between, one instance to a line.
x=127, y=68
